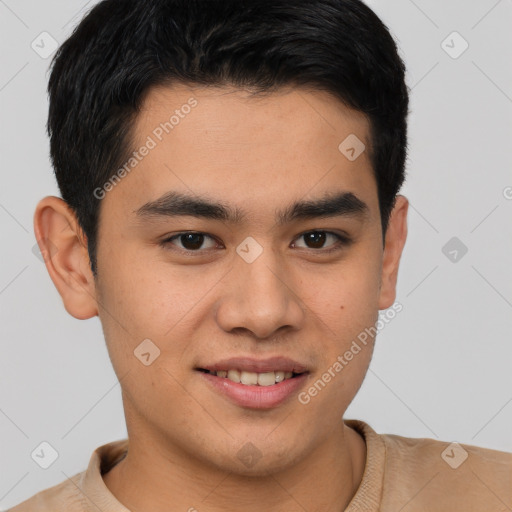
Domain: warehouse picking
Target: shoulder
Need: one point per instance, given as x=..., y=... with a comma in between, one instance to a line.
x=419, y=471
x=84, y=491
x=61, y=497
x=423, y=474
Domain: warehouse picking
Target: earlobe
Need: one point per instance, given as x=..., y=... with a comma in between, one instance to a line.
x=64, y=249
x=396, y=236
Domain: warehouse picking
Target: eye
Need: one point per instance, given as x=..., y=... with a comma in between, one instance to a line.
x=191, y=241
x=316, y=240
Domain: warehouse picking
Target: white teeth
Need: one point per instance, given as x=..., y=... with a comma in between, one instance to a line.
x=267, y=379
x=249, y=378
x=233, y=375
x=253, y=378
x=279, y=376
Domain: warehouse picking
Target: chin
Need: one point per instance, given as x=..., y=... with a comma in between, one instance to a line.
x=258, y=459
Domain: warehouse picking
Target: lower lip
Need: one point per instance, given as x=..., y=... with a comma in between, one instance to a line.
x=255, y=397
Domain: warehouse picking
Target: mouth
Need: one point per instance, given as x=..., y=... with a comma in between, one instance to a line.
x=255, y=383
x=249, y=378
x=254, y=390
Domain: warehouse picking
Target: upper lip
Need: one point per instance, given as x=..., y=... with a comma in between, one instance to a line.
x=248, y=364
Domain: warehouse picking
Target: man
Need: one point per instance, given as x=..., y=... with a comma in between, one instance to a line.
x=229, y=174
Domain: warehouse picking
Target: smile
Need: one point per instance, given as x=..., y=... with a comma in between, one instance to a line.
x=254, y=390
x=253, y=378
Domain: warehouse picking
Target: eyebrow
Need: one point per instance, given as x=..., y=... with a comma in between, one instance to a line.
x=173, y=204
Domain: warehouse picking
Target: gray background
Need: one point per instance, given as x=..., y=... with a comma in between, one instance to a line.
x=441, y=368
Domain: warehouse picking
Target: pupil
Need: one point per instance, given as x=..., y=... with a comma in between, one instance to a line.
x=191, y=237
x=313, y=237
x=195, y=240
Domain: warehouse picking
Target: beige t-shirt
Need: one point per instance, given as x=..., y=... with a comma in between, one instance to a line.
x=401, y=474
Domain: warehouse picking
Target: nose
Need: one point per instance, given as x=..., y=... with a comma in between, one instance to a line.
x=262, y=297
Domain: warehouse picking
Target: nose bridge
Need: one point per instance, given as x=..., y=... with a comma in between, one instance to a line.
x=261, y=294
x=264, y=287
x=265, y=278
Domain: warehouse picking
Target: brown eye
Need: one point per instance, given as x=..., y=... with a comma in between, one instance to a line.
x=190, y=241
x=316, y=239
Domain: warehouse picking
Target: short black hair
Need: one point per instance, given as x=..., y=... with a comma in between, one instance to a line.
x=122, y=48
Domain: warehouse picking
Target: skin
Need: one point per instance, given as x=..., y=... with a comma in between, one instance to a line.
x=260, y=155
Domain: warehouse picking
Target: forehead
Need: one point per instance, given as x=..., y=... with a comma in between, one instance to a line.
x=247, y=150
x=237, y=116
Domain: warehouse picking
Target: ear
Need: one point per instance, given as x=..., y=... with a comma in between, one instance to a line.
x=396, y=235
x=64, y=249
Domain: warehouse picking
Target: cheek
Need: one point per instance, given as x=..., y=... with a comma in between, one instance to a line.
x=156, y=302
x=347, y=298
x=138, y=294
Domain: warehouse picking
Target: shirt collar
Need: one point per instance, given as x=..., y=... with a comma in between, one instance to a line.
x=368, y=496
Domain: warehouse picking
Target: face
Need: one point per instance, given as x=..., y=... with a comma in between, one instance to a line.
x=182, y=288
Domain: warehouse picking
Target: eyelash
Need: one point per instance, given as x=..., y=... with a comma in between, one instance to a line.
x=343, y=241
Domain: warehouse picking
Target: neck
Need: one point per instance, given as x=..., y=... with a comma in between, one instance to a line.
x=325, y=480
